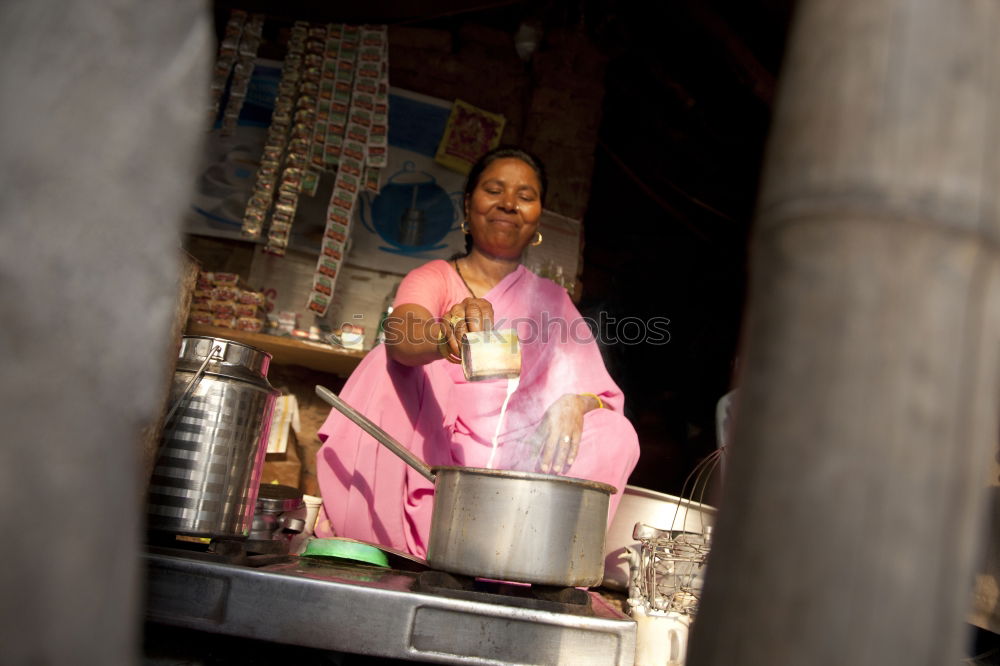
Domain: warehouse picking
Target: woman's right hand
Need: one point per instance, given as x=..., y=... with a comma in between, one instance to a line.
x=468, y=316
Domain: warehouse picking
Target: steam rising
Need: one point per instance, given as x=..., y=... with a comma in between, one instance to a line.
x=549, y=369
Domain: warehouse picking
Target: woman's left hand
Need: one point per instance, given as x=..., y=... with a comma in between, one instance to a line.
x=557, y=438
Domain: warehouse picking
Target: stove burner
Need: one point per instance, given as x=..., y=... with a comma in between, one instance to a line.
x=241, y=552
x=538, y=597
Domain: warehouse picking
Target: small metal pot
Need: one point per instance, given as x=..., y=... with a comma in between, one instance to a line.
x=505, y=525
x=279, y=513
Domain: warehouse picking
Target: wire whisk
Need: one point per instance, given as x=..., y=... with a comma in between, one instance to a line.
x=671, y=562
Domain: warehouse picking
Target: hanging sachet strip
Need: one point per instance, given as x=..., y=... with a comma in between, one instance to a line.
x=346, y=39
x=378, y=56
x=378, y=139
x=297, y=159
x=358, y=105
x=242, y=71
x=276, y=144
x=228, y=50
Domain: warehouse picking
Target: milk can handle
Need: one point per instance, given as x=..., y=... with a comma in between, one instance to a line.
x=190, y=384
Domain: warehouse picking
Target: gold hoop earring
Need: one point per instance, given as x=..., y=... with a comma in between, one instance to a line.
x=464, y=227
x=539, y=241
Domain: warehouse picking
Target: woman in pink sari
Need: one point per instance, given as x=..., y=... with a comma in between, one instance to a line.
x=566, y=416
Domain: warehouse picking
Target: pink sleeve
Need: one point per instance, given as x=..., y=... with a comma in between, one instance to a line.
x=426, y=286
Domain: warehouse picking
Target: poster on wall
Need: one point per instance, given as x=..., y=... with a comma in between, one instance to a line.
x=470, y=132
x=416, y=215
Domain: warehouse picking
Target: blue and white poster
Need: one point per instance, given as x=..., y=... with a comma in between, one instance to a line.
x=417, y=213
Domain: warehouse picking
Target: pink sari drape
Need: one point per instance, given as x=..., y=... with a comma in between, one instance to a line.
x=371, y=495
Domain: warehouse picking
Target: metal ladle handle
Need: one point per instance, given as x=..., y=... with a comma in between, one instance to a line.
x=381, y=435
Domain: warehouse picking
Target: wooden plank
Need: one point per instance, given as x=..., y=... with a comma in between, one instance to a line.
x=289, y=351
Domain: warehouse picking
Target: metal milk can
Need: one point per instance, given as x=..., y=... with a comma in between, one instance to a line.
x=205, y=481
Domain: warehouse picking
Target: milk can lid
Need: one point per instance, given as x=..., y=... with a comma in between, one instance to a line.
x=230, y=358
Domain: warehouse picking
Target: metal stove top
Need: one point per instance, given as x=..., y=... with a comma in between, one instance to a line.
x=352, y=607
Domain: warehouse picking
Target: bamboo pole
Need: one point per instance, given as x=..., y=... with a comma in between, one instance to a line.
x=851, y=515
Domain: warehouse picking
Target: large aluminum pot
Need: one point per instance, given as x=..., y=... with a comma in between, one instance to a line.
x=207, y=472
x=659, y=510
x=504, y=525
x=520, y=526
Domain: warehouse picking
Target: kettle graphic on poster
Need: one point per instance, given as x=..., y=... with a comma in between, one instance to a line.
x=412, y=213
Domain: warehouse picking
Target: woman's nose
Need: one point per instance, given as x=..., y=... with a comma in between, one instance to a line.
x=507, y=202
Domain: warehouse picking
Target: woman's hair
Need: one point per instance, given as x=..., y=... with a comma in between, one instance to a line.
x=499, y=153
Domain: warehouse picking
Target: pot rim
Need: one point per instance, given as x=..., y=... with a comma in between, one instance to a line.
x=687, y=502
x=529, y=476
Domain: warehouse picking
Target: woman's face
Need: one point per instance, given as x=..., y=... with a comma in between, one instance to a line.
x=503, y=209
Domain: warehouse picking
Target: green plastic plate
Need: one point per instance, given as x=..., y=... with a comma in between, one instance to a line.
x=346, y=549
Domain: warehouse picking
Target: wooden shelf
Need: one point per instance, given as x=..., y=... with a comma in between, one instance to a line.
x=289, y=351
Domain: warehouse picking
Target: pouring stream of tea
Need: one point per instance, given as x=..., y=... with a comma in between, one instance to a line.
x=512, y=383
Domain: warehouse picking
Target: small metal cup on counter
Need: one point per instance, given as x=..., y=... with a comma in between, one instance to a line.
x=280, y=513
x=493, y=354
